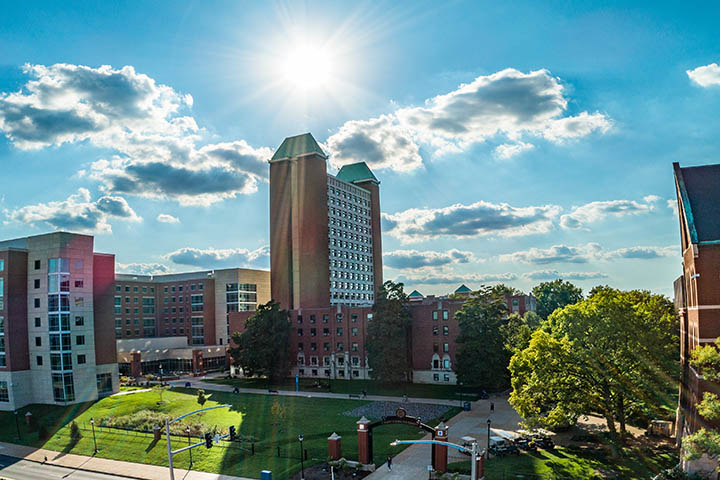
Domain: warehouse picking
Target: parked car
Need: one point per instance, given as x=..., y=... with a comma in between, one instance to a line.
x=500, y=446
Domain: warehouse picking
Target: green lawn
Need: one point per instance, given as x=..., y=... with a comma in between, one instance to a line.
x=418, y=390
x=273, y=421
x=565, y=464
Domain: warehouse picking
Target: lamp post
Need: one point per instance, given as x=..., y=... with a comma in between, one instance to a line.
x=302, y=462
x=488, y=444
x=187, y=429
x=92, y=424
x=17, y=425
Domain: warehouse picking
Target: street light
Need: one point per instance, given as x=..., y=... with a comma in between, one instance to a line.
x=488, y=445
x=17, y=425
x=92, y=423
x=302, y=463
x=187, y=429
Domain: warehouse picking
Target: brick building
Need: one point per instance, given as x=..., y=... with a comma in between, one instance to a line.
x=57, y=341
x=697, y=293
x=180, y=322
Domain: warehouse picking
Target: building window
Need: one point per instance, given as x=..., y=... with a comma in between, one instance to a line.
x=435, y=315
x=198, y=331
x=2, y=265
x=445, y=314
x=300, y=332
x=446, y=347
x=37, y=283
x=3, y=360
x=81, y=359
x=79, y=283
x=312, y=318
x=326, y=318
x=338, y=318
x=4, y=393
x=300, y=346
x=354, y=332
x=446, y=330
x=104, y=383
x=63, y=389
x=79, y=321
x=313, y=347
x=299, y=318
x=36, y=303
x=354, y=347
x=38, y=341
x=80, y=340
x=196, y=303
x=354, y=318
x=38, y=322
x=326, y=346
x=435, y=330
x=326, y=332
x=39, y=360
x=37, y=264
x=313, y=332
x=340, y=349
x=339, y=331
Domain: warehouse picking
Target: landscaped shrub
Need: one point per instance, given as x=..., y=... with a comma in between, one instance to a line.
x=75, y=433
x=146, y=420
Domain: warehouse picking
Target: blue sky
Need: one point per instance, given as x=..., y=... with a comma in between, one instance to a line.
x=515, y=141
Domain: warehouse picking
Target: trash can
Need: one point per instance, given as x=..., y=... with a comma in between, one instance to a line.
x=466, y=406
x=266, y=475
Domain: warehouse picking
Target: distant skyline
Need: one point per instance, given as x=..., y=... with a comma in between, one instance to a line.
x=515, y=142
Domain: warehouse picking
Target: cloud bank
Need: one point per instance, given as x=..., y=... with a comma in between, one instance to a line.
x=220, y=258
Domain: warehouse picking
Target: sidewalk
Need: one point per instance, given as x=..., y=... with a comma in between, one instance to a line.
x=132, y=470
x=291, y=393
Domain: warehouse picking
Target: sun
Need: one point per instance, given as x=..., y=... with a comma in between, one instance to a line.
x=307, y=67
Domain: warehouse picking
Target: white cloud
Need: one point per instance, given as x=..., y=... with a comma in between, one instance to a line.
x=220, y=258
x=592, y=212
x=431, y=278
x=672, y=204
x=705, y=76
x=154, y=143
x=585, y=254
x=142, y=268
x=412, y=259
x=509, y=150
x=379, y=142
x=509, y=103
x=165, y=218
x=78, y=213
x=553, y=274
x=477, y=219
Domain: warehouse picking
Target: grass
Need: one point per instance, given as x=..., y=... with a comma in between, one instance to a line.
x=566, y=464
x=372, y=387
x=274, y=422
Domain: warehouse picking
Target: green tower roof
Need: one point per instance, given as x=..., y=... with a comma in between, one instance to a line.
x=415, y=294
x=298, y=145
x=356, y=172
x=463, y=289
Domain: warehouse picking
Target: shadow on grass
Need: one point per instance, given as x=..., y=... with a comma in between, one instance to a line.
x=151, y=445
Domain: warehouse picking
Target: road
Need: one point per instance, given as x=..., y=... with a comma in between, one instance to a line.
x=17, y=469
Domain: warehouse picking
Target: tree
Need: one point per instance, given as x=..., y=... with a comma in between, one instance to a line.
x=556, y=294
x=706, y=360
x=201, y=398
x=388, y=335
x=75, y=433
x=517, y=330
x=482, y=358
x=263, y=349
x=506, y=290
x=610, y=354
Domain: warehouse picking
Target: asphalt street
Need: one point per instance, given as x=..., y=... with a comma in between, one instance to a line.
x=17, y=469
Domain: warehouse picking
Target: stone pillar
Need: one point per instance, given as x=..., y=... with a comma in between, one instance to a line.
x=440, y=451
x=364, y=449
x=135, y=365
x=334, y=451
x=197, y=362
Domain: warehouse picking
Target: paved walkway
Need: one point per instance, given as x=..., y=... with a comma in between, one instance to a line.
x=132, y=470
x=194, y=383
x=412, y=462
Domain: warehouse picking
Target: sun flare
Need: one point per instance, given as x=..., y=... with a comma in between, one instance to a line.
x=307, y=67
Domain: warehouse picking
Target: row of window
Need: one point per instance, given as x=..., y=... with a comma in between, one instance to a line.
x=326, y=332
x=348, y=192
x=58, y=265
x=446, y=330
x=340, y=213
x=359, y=298
x=349, y=226
x=166, y=289
x=354, y=347
x=340, y=373
x=338, y=318
x=240, y=287
x=340, y=360
x=338, y=254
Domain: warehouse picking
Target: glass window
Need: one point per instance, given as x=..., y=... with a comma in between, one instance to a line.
x=81, y=359
x=445, y=314
x=4, y=393
x=446, y=330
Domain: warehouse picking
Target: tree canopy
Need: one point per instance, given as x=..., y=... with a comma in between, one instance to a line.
x=263, y=349
x=388, y=340
x=706, y=360
x=611, y=354
x=482, y=358
x=555, y=294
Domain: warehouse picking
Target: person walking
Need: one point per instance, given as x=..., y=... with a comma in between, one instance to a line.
x=389, y=462
x=492, y=407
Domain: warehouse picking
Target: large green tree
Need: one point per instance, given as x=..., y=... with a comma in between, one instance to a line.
x=518, y=329
x=263, y=349
x=482, y=358
x=388, y=335
x=706, y=360
x=612, y=354
x=555, y=294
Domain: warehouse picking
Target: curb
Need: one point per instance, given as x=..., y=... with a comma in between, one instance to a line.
x=77, y=468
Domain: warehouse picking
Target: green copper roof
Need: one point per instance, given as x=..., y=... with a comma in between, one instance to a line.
x=298, y=145
x=463, y=289
x=415, y=293
x=357, y=172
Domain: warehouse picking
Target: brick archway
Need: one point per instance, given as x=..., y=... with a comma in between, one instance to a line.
x=365, y=443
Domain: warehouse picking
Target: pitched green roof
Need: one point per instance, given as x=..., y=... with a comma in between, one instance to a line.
x=356, y=172
x=463, y=289
x=415, y=293
x=296, y=146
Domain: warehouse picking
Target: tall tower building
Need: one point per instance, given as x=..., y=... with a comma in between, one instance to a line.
x=324, y=230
